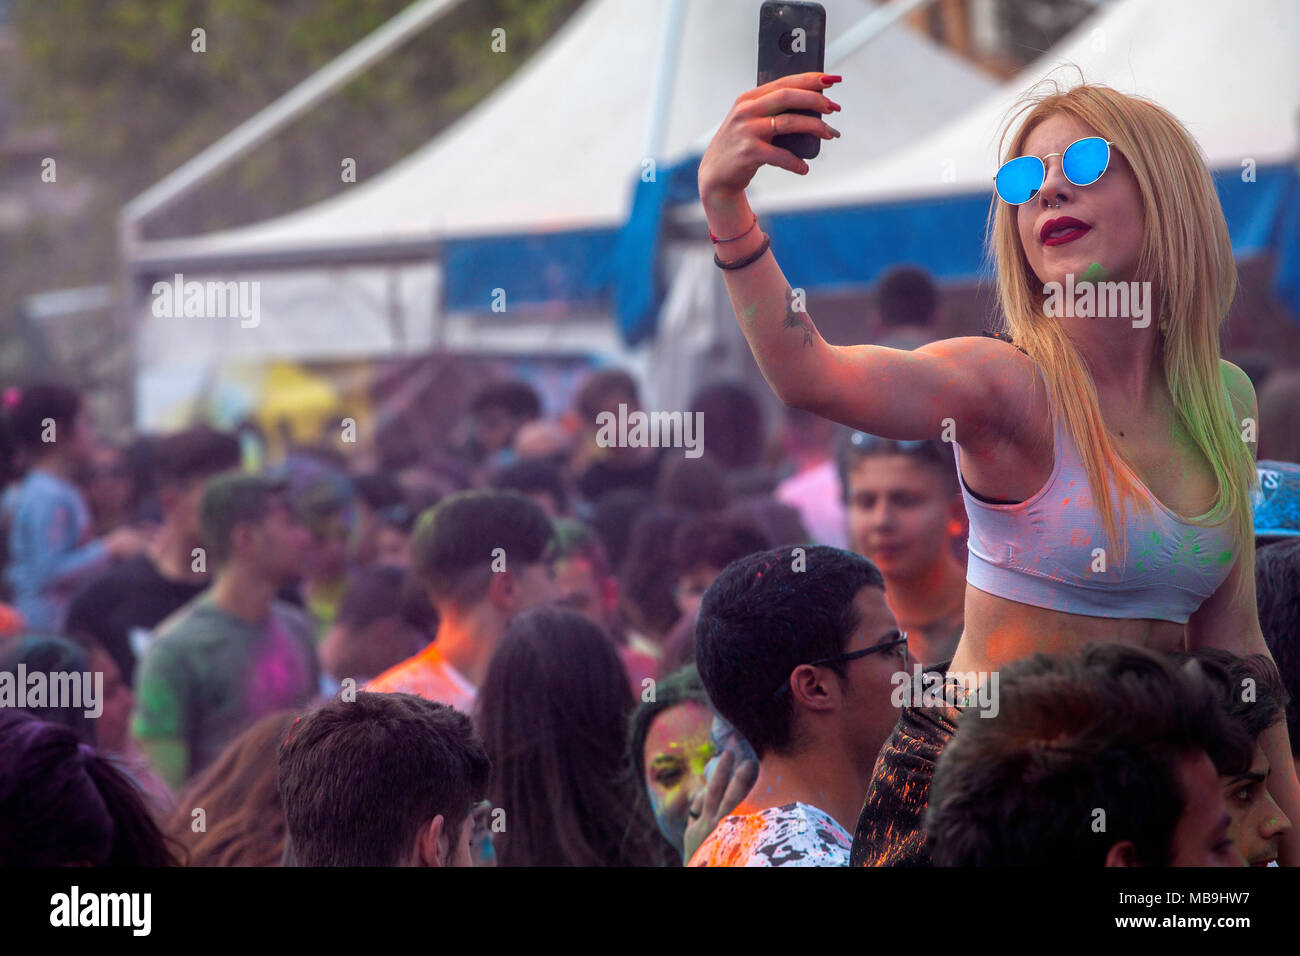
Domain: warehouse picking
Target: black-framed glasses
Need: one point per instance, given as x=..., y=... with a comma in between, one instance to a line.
x=900, y=639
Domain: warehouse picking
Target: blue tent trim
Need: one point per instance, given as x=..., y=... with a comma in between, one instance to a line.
x=578, y=268
x=825, y=250
x=638, y=284
x=531, y=270
x=841, y=249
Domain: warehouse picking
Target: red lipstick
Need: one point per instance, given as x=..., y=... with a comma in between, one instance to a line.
x=1057, y=232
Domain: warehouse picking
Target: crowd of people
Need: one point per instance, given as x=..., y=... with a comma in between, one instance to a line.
x=990, y=638
x=582, y=656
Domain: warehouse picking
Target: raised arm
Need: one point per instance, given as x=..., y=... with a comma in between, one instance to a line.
x=887, y=392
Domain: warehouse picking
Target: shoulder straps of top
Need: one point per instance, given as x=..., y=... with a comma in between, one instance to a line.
x=1001, y=336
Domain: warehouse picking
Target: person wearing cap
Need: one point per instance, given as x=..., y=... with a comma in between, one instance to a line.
x=1276, y=503
x=234, y=653
x=1277, y=571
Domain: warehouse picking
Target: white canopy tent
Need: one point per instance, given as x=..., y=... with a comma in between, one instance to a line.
x=555, y=151
x=1229, y=72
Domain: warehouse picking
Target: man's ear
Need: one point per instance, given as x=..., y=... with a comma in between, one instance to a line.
x=242, y=539
x=1123, y=853
x=503, y=591
x=811, y=689
x=431, y=845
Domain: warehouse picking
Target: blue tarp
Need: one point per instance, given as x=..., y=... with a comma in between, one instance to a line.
x=825, y=249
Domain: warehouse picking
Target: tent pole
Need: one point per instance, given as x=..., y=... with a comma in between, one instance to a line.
x=869, y=27
x=280, y=113
x=666, y=76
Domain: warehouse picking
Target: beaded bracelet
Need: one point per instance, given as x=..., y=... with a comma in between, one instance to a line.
x=767, y=241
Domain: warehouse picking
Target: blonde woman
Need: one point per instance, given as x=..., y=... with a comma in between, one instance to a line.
x=1106, y=462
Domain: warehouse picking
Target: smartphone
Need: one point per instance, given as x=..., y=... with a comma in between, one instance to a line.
x=792, y=39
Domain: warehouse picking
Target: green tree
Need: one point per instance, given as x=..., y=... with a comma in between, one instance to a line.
x=131, y=100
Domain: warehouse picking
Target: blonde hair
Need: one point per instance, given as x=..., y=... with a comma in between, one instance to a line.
x=1187, y=257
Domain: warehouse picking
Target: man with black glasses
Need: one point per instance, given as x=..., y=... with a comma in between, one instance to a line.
x=797, y=650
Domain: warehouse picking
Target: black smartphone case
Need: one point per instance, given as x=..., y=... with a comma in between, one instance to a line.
x=776, y=24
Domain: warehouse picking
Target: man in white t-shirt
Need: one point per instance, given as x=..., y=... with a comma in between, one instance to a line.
x=798, y=651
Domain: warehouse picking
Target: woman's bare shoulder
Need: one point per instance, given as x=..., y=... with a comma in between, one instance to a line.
x=1007, y=368
x=995, y=348
x=1240, y=388
x=1007, y=373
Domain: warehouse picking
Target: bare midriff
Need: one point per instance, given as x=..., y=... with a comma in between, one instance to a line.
x=998, y=632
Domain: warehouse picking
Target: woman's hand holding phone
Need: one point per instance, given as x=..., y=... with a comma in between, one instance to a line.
x=743, y=142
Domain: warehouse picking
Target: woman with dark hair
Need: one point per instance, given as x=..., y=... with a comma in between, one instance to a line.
x=112, y=728
x=243, y=819
x=38, y=653
x=670, y=744
x=553, y=714
x=646, y=581
x=61, y=804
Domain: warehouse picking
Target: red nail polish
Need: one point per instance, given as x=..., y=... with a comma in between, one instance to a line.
x=828, y=80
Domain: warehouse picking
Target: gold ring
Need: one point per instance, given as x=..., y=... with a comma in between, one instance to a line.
x=773, y=118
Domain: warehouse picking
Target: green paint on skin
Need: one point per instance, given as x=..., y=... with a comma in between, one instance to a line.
x=747, y=313
x=1096, y=273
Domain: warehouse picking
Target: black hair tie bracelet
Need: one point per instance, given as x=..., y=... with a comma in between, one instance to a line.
x=740, y=264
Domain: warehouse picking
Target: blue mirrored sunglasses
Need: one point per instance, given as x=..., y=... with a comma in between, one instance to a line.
x=1083, y=163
